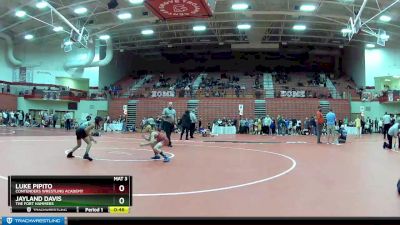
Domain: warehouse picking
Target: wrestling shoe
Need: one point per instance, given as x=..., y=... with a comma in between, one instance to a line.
x=156, y=157
x=70, y=155
x=86, y=156
x=166, y=159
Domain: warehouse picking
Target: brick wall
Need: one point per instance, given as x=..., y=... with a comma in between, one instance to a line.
x=341, y=108
x=213, y=108
x=154, y=107
x=302, y=108
x=8, y=101
x=115, y=107
x=292, y=108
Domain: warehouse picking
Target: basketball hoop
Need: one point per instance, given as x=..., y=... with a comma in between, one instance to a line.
x=67, y=44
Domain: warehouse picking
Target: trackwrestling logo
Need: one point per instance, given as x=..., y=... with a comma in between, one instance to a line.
x=33, y=220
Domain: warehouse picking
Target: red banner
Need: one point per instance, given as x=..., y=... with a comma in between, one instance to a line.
x=179, y=9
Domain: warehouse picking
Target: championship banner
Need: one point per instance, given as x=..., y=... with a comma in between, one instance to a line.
x=293, y=94
x=181, y=9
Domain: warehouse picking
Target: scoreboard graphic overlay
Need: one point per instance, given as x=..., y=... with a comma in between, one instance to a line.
x=74, y=194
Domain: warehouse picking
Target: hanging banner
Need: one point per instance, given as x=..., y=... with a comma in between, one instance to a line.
x=181, y=9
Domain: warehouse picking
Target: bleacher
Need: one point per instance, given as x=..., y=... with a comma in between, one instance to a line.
x=300, y=82
x=154, y=84
x=346, y=88
x=226, y=88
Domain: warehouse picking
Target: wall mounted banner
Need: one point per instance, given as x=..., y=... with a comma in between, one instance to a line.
x=241, y=109
x=293, y=94
x=162, y=94
x=125, y=109
x=180, y=9
x=22, y=74
x=390, y=96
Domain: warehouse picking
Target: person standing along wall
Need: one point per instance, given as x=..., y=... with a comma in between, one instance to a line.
x=331, y=122
x=55, y=118
x=320, y=125
x=386, y=124
x=193, y=120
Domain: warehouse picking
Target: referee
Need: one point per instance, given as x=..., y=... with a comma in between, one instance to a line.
x=169, y=121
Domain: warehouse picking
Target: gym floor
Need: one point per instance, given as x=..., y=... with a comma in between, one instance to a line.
x=228, y=175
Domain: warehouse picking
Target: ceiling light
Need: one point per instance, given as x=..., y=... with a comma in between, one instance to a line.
x=80, y=10
x=243, y=26
x=28, y=37
x=136, y=1
x=124, y=16
x=370, y=46
x=147, y=32
x=104, y=37
x=308, y=8
x=41, y=4
x=387, y=80
x=240, y=6
x=20, y=13
x=385, y=18
x=299, y=27
x=397, y=77
x=199, y=28
x=58, y=29
x=69, y=42
x=384, y=37
x=346, y=30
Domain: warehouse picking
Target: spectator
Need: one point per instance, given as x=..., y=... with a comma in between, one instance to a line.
x=357, y=121
x=386, y=124
x=306, y=129
x=342, y=135
x=331, y=130
x=193, y=120
x=393, y=132
x=313, y=126
x=320, y=124
x=186, y=124
x=20, y=119
x=55, y=118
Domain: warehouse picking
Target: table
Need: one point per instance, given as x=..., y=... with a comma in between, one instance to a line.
x=351, y=130
x=223, y=130
x=113, y=127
